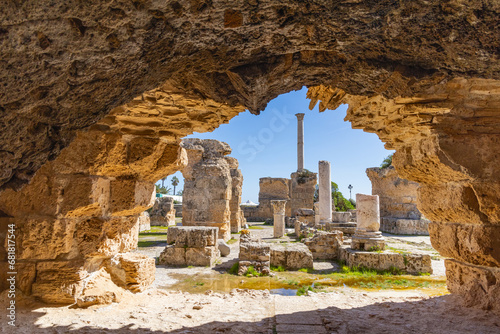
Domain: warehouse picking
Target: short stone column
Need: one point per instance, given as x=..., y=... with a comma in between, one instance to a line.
x=316, y=214
x=300, y=141
x=325, y=192
x=279, y=217
x=367, y=235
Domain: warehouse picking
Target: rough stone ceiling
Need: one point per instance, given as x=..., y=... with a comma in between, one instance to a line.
x=65, y=65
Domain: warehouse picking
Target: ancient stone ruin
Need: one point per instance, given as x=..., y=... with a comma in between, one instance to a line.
x=93, y=112
x=398, y=202
x=298, y=191
x=190, y=246
x=209, y=180
x=162, y=213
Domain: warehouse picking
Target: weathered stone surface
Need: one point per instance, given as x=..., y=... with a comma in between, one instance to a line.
x=278, y=218
x=132, y=271
x=476, y=284
x=192, y=236
x=144, y=222
x=163, y=212
x=254, y=251
x=341, y=217
x=325, y=245
x=291, y=256
x=223, y=247
x=237, y=216
x=302, y=187
x=398, y=202
x=367, y=235
x=173, y=256
x=347, y=229
x=203, y=257
x=207, y=185
x=410, y=263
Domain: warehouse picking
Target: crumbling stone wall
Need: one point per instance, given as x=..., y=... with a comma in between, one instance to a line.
x=207, y=185
x=237, y=216
x=398, y=202
x=302, y=187
x=163, y=212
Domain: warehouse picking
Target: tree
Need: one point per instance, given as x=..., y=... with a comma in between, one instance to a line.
x=180, y=192
x=163, y=190
x=341, y=203
x=163, y=182
x=387, y=162
x=175, y=182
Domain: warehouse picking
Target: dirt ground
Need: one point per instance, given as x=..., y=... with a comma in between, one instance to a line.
x=161, y=309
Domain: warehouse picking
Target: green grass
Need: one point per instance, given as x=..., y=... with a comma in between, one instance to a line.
x=255, y=228
x=306, y=270
x=232, y=241
x=278, y=269
x=199, y=284
x=234, y=269
x=155, y=230
x=304, y=290
x=252, y=272
x=149, y=243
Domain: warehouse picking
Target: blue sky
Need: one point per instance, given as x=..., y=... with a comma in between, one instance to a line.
x=266, y=145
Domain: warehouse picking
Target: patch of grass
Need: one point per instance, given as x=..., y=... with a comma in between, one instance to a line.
x=255, y=228
x=234, y=269
x=424, y=274
x=232, y=241
x=291, y=282
x=199, y=284
x=251, y=272
x=375, y=249
x=278, y=268
x=149, y=243
x=306, y=270
x=304, y=290
x=190, y=267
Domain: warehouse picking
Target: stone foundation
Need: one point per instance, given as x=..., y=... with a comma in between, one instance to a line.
x=325, y=245
x=410, y=263
x=190, y=246
x=255, y=254
x=291, y=256
x=144, y=222
x=405, y=226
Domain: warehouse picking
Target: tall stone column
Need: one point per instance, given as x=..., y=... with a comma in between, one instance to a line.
x=300, y=141
x=279, y=217
x=368, y=236
x=325, y=192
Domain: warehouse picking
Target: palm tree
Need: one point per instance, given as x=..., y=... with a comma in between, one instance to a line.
x=163, y=182
x=175, y=182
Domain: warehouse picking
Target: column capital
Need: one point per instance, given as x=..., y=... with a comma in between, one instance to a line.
x=300, y=116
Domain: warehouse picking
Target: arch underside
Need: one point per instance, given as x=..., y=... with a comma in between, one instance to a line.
x=96, y=98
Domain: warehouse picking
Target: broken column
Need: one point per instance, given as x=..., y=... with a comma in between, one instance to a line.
x=367, y=235
x=279, y=218
x=163, y=212
x=237, y=218
x=300, y=141
x=207, y=185
x=325, y=192
x=316, y=214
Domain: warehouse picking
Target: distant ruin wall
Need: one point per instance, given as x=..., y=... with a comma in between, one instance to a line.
x=398, y=202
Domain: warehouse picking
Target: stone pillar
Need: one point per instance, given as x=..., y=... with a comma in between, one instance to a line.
x=237, y=217
x=300, y=141
x=325, y=192
x=316, y=214
x=367, y=235
x=207, y=185
x=279, y=218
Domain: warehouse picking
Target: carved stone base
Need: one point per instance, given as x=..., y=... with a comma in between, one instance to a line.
x=369, y=241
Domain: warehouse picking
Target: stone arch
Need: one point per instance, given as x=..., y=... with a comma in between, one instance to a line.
x=424, y=77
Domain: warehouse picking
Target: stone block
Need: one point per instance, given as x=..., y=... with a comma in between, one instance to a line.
x=223, y=247
x=144, y=221
x=132, y=271
x=253, y=251
x=298, y=256
x=325, y=245
x=278, y=255
x=130, y=197
x=341, y=217
x=202, y=256
x=477, y=286
x=173, y=256
x=192, y=236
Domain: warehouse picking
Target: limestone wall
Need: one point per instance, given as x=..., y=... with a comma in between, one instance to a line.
x=398, y=202
x=302, y=187
x=273, y=188
x=163, y=212
x=209, y=179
